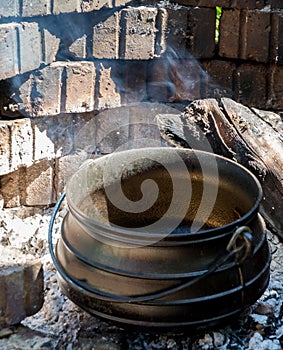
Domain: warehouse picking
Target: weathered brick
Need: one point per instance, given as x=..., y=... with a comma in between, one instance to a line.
x=5, y=147
x=144, y=131
x=135, y=80
x=218, y=80
x=276, y=81
x=20, y=95
x=106, y=38
x=255, y=42
x=45, y=98
x=107, y=95
x=229, y=34
x=78, y=47
x=172, y=35
x=85, y=133
x=29, y=46
x=158, y=84
x=279, y=57
x=65, y=167
x=9, y=64
x=36, y=8
x=137, y=39
x=10, y=188
x=50, y=46
x=21, y=143
x=113, y=129
x=120, y=3
x=275, y=4
x=9, y=8
x=21, y=281
x=90, y=5
x=202, y=37
x=185, y=76
x=206, y=3
x=62, y=132
x=248, y=4
x=66, y=6
x=39, y=184
x=247, y=91
x=44, y=137
x=80, y=82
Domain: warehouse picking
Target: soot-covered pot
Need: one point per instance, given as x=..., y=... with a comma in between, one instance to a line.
x=162, y=237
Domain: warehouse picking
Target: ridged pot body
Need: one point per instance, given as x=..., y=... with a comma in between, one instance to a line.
x=116, y=269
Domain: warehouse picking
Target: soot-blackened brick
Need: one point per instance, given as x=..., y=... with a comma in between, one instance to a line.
x=255, y=42
x=218, y=78
x=201, y=38
x=229, y=34
x=251, y=85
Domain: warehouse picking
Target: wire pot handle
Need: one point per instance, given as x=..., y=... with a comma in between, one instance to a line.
x=239, y=247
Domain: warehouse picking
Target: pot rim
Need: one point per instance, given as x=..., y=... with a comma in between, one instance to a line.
x=131, y=236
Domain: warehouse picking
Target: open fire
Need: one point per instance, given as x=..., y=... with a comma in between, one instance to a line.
x=81, y=79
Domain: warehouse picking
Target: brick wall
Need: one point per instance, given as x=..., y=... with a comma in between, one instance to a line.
x=62, y=62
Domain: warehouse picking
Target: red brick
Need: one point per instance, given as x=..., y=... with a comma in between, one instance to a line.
x=9, y=64
x=106, y=38
x=138, y=33
x=229, y=34
x=80, y=81
x=248, y=92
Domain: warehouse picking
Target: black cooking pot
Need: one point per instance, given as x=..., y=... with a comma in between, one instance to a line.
x=162, y=237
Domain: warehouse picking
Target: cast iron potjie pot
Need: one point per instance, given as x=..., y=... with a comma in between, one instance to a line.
x=162, y=237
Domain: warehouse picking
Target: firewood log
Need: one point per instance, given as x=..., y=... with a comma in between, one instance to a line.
x=251, y=137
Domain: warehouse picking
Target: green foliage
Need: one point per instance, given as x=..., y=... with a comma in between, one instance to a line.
x=218, y=16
